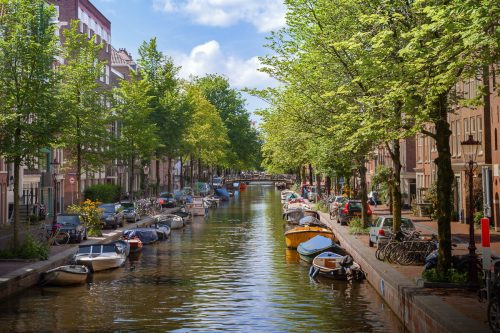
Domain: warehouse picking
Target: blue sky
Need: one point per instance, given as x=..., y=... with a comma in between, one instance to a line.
x=202, y=36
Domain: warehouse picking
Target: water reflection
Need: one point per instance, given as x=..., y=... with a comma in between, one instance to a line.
x=228, y=272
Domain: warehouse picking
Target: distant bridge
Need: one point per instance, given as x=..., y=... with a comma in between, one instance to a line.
x=261, y=179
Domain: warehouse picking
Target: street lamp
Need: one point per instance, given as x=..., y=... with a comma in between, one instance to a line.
x=120, y=168
x=55, y=170
x=469, y=148
x=146, y=173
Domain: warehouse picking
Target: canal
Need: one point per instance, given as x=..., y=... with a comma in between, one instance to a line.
x=228, y=272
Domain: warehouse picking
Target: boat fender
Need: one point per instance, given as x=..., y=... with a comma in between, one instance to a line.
x=315, y=273
x=311, y=270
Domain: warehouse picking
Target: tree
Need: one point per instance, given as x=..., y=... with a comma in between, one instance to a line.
x=138, y=136
x=85, y=100
x=29, y=112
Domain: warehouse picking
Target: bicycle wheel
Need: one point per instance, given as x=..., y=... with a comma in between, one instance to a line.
x=494, y=314
x=61, y=238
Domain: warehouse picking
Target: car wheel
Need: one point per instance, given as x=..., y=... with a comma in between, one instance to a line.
x=79, y=238
x=370, y=243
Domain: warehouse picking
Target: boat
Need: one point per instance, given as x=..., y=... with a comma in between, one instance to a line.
x=313, y=213
x=99, y=257
x=318, y=244
x=146, y=235
x=222, y=192
x=163, y=231
x=196, y=207
x=299, y=235
x=285, y=194
x=311, y=221
x=122, y=246
x=236, y=186
x=67, y=275
x=293, y=215
x=169, y=220
x=335, y=266
x=243, y=186
x=135, y=244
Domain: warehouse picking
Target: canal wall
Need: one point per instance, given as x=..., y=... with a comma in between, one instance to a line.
x=28, y=274
x=418, y=310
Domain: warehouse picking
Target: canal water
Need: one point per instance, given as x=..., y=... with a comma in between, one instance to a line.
x=227, y=272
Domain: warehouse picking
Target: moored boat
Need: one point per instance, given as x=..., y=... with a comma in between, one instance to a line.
x=293, y=215
x=170, y=220
x=318, y=244
x=196, y=207
x=243, y=186
x=336, y=266
x=99, y=257
x=310, y=221
x=67, y=275
x=135, y=244
x=299, y=235
x=146, y=235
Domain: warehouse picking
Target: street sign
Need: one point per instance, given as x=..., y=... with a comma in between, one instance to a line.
x=71, y=180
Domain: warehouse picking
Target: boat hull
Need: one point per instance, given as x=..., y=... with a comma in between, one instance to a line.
x=65, y=276
x=302, y=234
x=101, y=263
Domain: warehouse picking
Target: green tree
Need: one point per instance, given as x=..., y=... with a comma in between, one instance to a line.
x=138, y=135
x=85, y=102
x=29, y=113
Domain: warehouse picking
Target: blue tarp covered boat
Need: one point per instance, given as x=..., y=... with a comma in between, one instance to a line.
x=146, y=235
x=222, y=192
x=316, y=245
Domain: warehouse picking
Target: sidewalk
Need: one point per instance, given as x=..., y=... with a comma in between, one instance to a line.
x=443, y=310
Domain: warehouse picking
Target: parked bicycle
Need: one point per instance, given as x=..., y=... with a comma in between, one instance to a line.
x=54, y=235
x=491, y=293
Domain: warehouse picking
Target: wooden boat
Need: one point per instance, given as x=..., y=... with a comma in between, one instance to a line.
x=122, y=246
x=318, y=244
x=99, y=257
x=310, y=221
x=195, y=207
x=299, y=235
x=293, y=215
x=67, y=275
x=135, y=244
x=335, y=266
x=146, y=235
x=313, y=213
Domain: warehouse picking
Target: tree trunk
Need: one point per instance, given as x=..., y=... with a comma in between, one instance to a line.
x=157, y=174
x=169, y=175
x=444, y=182
x=131, y=180
x=299, y=175
x=181, y=180
x=199, y=170
x=395, y=185
x=364, y=195
x=328, y=185
x=310, y=174
x=191, y=173
x=17, y=165
x=487, y=137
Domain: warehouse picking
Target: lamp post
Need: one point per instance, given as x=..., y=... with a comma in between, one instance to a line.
x=119, y=169
x=146, y=179
x=55, y=170
x=469, y=148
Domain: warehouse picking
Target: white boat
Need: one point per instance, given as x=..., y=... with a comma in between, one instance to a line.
x=67, y=275
x=99, y=257
x=196, y=207
x=285, y=194
x=170, y=220
x=336, y=266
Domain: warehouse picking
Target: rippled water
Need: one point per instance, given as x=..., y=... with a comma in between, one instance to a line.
x=229, y=272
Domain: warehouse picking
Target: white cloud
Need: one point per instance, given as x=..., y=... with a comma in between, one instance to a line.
x=265, y=15
x=208, y=58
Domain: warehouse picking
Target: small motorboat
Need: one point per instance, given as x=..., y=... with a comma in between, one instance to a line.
x=169, y=220
x=195, y=207
x=146, y=235
x=311, y=221
x=313, y=213
x=336, y=266
x=222, y=192
x=163, y=231
x=135, y=244
x=293, y=216
x=99, y=257
x=299, y=235
x=123, y=246
x=67, y=275
x=243, y=186
x=286, y=194
x=316, y=245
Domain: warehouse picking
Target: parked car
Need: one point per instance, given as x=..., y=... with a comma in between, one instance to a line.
x=112, y=215
x=130, y=215
x=167, y=200
x=382, y=229
x=352, y=208
x=73, y=225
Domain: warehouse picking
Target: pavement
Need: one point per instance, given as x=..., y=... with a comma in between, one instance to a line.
x=462, y=300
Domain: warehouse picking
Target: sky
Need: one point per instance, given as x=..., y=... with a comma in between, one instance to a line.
x=202, y=36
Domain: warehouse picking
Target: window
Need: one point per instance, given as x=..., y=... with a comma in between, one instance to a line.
x=496, y=139
x=472, y=124
x=420, y=148
x=457, y=139
x=466, y=128
x=452, y=138
x=479, y=126
x=107, y=74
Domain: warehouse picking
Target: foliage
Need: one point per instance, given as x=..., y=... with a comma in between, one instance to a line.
x=356, y=227
x=477, y=219
x=91, y=216
x=431, y=197
x=102, y=192
x=29, y=112
x=321, y=206
x=451, y=276
x=381, y=181
x=29, y=249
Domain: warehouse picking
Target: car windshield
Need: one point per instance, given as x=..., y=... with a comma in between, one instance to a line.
x=108, y=208
x=128, y=210
x=355, y=205
x=68, y=219
x=166, y=195
x=405, y=223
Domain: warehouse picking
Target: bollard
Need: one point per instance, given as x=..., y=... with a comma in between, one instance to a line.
x=485, y=240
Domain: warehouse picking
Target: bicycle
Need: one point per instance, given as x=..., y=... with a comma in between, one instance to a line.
x=491, y=293
x=54, y=235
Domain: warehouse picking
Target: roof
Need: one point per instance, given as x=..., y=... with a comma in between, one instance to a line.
x=121, y=57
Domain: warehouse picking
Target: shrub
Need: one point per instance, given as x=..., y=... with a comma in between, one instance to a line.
x=29, y=249
x=477, y=219
x=453, y=276
x=321, y=206
x=102, y=193
x=91, y=216
x=356, y=227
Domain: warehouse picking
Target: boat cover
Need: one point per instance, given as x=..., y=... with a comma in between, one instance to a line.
x=310, y=220
x=146, y=235
x=316, y=244
x=222, y=192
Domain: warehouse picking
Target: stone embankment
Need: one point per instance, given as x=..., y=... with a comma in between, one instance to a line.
x=417, y=308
